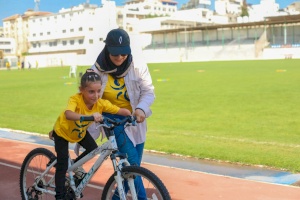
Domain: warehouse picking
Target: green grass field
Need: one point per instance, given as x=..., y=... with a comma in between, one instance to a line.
x=244, y=112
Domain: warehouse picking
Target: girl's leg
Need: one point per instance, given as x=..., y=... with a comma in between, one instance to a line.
x=88, y=143
x=62, y=153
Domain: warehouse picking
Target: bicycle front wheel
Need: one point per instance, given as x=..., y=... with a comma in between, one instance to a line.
x=153, y=187
x=34, y=164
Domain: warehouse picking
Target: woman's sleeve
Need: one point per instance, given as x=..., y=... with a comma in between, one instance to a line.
x=147, y=95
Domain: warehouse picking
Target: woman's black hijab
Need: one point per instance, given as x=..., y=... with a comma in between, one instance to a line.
x=104, y=64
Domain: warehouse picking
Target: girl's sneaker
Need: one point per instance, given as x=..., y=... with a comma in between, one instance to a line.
x=79, y=173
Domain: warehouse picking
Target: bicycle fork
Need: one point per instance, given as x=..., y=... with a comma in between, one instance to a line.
x=119, y=176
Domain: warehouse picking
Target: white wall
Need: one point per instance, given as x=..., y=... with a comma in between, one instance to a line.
x=201, y=53
x=281, y=53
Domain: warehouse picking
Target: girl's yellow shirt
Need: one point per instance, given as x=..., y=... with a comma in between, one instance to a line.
x=74, y=131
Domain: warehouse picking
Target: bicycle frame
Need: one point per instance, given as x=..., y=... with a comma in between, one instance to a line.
x=104, y=150
x=35, y=183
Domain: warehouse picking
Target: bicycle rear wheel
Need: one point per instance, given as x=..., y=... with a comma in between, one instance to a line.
x=34, y=164
x=154, y=187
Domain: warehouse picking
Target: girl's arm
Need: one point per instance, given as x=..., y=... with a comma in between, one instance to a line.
x=124, y=112
x=73, y=116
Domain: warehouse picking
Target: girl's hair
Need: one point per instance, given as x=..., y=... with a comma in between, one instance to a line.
x=88, y=77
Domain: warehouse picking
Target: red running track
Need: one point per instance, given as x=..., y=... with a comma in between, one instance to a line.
x=182, y=184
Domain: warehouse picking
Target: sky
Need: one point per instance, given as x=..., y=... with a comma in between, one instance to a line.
x=12, y=7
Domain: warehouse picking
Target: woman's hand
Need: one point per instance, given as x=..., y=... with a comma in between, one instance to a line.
x=97, y=117
x=140, y=115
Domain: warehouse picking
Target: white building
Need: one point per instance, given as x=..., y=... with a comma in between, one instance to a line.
x=293, y=9
x=16, y=27
x=8, y=51
x=192, y=4
x=266, y=8
x=1, y=31
x=8, y=46
x=227, y=11
x=195, y=16
x=224, y=7
x=128, y=16
x=72, y=36
x=75, y=35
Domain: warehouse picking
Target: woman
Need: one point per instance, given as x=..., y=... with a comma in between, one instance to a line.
x=126, y=82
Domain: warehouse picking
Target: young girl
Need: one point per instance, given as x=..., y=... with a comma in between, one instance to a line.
x=69, y=129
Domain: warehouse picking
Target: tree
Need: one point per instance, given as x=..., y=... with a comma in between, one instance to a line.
x=244, y=9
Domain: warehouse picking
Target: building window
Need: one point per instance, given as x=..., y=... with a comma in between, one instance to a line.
x=72, y=42
x=80, y=29
x=64, y=43
x=80, y=41
x=41, y=34
x=90, y=29
x=91, y=41
x=48, y=33
x=64, y=31
x=34, y=35
x=100, y=39
x=72, y=30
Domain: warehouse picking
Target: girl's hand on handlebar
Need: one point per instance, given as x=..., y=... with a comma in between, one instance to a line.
x=97, y=117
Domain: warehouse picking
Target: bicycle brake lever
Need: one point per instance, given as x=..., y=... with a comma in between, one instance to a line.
x=102, y=125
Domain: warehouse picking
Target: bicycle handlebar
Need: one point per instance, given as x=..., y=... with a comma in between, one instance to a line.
x=86, y=118
x=109, y=123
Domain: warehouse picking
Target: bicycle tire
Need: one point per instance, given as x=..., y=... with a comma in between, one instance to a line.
x=33, y=165
x=154, y=187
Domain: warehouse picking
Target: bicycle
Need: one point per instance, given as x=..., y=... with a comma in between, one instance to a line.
x=38, y=169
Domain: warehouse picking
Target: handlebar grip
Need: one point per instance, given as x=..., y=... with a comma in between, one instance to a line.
x=86, y=118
